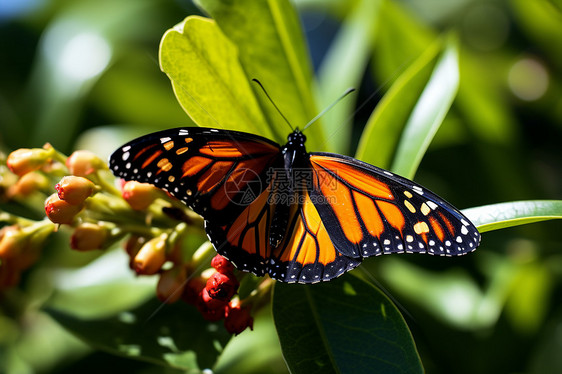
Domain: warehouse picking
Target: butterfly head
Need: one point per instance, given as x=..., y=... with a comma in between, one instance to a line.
x=296, y=139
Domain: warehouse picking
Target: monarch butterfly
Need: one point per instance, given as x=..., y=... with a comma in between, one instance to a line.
x=297, y=216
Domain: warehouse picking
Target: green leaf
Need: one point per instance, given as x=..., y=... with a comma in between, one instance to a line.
x=343, y=67
x=428, y=113
x=342, y=326
x=502, y=215
x=272, y=49
x=382, y=133
x=401, y=38
x=170, y=335
x=451, y=295
x=207, y=77
x=540, y=20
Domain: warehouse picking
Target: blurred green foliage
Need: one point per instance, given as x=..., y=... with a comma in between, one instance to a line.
x=85, y=74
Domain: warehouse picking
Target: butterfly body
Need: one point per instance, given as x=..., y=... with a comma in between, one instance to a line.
x=297, y=216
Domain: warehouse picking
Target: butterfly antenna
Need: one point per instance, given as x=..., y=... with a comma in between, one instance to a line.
x=347, y=92
x=273, y=103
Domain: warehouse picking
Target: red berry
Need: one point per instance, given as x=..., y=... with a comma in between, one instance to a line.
x=211, y=309
x=222, y=286
x=222, y=265
x=192, y=290
x=237, y=319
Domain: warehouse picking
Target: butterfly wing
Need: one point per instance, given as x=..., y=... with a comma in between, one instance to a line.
x=352, y=209
x=370, y=211
x=222, y=175
x=306, y=254
x=217, y=173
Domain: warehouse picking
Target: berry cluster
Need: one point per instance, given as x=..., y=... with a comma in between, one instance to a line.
x=213, y=293
x=101, y=211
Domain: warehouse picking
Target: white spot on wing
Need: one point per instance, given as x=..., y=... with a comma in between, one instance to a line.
x=431, y=204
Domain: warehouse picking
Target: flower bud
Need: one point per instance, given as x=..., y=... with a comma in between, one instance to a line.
x=75, y=190
x=222, y=286
x=139, y=195
x=82, y=163
x=88, y=236
x=171, y=284
x=222, y=265
x=132, y=247
x=21, y=246
x=12, y=242
x=237, y=319
x=151, y=256
x=27, y=184
x=25, y=160
x=59, y=211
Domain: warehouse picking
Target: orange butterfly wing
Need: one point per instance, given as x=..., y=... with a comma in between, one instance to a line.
x=306, y=255
x=371, y=211
x=348, y=211
x=215, y=172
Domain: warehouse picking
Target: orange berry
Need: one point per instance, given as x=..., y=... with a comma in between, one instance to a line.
x=75, y=190
x=21, y=246
x=12, y=242
x=88, y=237
x=27, y=184
x=139, y=195
x=171, y=284
x=25, y=160
x=151, y=256
x=82, y=163
x=59, y=211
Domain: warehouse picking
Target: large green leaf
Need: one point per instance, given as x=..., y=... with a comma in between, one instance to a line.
x=502, y=215
x=272, y=49
x=401, y=38
x=207, y=77
x=540, y=20
x=428, y=113
x=171, y=335
x=343, y=67
x=380, y=137
x=342, y=326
